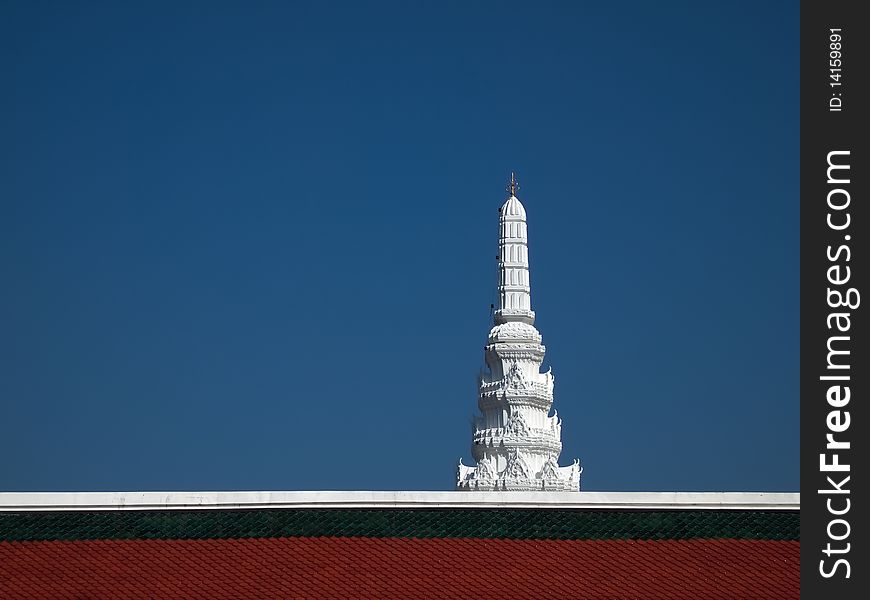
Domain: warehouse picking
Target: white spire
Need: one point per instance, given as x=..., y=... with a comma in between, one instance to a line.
x=515, y=442
x=514, y=293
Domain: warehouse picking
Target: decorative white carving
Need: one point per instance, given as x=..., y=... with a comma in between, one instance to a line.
x=514, y=331
x=465, y=472
x=512, y=390
x=515, y=378
x=485, y=469
x=550, y=470
x=516, y=467
x=516, y=425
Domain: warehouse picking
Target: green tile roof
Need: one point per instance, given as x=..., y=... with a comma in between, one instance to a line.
x=501, y=523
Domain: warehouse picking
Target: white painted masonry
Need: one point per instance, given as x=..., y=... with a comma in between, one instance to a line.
x=86, y=501
x=516, y=442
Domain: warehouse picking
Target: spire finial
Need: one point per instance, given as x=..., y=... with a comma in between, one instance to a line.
x=513, y=186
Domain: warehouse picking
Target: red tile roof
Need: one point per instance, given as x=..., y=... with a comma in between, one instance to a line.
x=319, y=545
x=342, y=567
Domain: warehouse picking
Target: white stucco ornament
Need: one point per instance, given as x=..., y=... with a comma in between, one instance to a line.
x=515, y=441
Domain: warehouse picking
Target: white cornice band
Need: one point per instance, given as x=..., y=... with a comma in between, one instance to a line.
x=88, y=501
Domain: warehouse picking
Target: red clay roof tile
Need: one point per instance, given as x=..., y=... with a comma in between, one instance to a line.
x=342, y=567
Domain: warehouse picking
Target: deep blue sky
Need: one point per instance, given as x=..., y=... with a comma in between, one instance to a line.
x=251, y=245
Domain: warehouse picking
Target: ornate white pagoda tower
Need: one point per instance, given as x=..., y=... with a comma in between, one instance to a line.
x=516, y=442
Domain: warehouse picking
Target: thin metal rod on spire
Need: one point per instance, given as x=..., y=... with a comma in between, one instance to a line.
x=513, y=186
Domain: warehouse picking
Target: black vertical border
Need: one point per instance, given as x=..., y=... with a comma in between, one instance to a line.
x=823, y=131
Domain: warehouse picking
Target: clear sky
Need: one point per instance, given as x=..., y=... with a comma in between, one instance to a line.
x=252, y=245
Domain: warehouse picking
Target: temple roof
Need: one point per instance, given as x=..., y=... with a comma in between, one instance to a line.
x=399, y=545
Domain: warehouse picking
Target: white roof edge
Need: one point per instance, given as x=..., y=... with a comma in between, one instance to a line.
x=61, y=501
